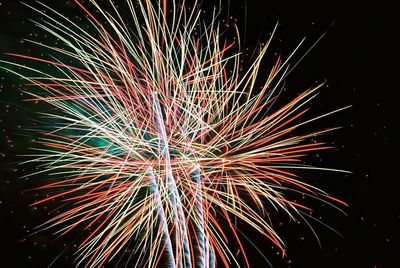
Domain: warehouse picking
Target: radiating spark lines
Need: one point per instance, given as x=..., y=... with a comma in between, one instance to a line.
x=159, y=138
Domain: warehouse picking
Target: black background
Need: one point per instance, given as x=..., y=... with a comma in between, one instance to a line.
x=358, y=59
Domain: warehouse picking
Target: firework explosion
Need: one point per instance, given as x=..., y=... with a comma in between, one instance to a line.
x=160, y=140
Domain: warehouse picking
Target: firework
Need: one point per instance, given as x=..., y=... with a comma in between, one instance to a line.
x=159, y=140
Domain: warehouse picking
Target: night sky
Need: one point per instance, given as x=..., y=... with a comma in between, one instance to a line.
x=357, y=58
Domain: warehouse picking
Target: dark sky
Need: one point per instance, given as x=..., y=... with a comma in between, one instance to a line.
x=357, y=57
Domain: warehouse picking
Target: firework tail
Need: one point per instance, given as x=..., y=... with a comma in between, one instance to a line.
x=178, y=216
x=163, y=220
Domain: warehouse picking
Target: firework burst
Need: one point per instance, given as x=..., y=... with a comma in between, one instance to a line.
x=160, y=140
